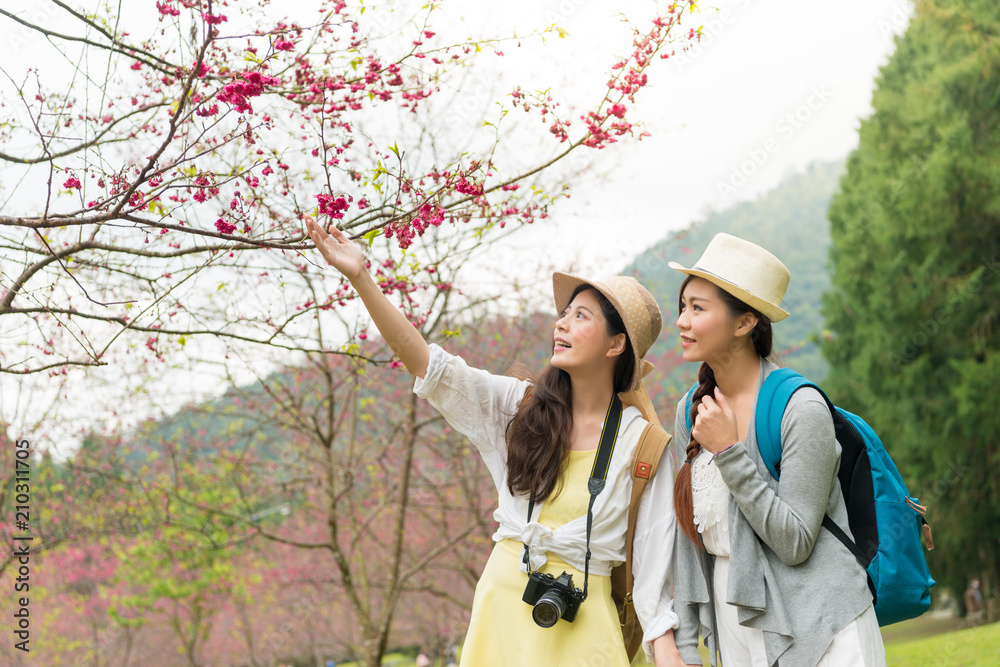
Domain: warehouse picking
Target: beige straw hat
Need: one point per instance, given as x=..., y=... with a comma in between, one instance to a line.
x=634, y=303
x=745, y=270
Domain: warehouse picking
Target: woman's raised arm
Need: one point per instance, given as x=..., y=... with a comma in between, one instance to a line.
x=398, y=332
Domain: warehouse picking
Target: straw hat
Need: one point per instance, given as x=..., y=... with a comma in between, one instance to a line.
x=745, y=270
x=634, y=304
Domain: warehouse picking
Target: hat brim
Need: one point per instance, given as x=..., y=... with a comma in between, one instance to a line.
x=563, y=286
x=773, y=312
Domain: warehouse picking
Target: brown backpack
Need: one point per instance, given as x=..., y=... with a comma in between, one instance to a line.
x=652, y=443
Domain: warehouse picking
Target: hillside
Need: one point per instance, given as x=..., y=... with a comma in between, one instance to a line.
x=790, y=221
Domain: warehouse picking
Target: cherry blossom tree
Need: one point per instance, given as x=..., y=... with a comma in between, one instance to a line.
x=358, y=495
x=163, y=175
x=387, y=506
x=157, y=216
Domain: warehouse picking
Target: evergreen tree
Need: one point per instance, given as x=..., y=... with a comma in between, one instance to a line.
x=913, y=309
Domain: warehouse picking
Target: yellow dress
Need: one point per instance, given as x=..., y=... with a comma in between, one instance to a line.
x=501, y=631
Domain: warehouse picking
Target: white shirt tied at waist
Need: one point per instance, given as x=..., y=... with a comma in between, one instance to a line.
x=568, y=541
x=480, y=405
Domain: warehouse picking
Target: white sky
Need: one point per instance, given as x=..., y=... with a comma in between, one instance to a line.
x=773, y=86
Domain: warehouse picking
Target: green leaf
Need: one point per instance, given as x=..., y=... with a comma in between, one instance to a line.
x=371, y=236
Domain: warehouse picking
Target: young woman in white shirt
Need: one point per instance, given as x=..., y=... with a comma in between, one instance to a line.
x=756, y=573
x=538, y=441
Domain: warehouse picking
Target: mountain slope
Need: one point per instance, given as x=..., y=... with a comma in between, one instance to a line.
x=791, y=222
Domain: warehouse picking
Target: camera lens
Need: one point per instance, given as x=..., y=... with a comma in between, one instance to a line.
x=549, y=608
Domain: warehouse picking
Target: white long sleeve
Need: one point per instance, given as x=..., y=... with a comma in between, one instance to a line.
x=652, y=555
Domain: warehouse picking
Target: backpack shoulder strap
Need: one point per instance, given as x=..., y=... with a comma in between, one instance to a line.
x=688, y=400
x=772, y=399
x=652, y=443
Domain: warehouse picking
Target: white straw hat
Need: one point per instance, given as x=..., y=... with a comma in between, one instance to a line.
x=745, y=270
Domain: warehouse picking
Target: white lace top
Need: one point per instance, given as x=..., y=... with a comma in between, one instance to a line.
x=710, y=498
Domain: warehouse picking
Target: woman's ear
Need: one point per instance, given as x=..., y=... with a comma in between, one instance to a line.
x=617, y=345
x=745, y=324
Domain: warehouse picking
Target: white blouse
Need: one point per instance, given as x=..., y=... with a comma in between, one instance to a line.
x=480, y=405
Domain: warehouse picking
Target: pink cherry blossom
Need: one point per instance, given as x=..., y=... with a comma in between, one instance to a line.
x=332, y=206
x=224, y=227
x=167, y=9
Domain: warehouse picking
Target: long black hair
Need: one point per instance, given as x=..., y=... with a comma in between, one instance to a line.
x=539, y=434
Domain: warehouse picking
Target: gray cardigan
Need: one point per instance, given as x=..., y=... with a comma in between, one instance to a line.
x=796, y=582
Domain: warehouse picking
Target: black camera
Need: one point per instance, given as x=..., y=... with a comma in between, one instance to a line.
x=552, y=598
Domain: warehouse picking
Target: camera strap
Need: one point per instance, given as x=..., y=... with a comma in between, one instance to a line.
x=598, y=474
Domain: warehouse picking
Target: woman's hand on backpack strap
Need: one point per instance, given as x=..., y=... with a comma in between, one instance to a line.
x=336, y=248
x=715, y=425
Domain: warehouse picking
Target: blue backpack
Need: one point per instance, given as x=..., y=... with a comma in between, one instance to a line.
x=885, y=521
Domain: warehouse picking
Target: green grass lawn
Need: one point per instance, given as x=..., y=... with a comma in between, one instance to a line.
x=394, y=659
x=972, y=647
x=929, y=640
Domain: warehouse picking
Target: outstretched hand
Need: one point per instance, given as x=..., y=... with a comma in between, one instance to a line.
x=715, y=425
x=404, y=339
x=336, y=248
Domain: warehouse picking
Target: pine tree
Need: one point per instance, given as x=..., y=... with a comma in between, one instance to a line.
x=913, y=310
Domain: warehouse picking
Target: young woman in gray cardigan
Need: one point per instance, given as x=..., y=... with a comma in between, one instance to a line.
x=755, y=573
